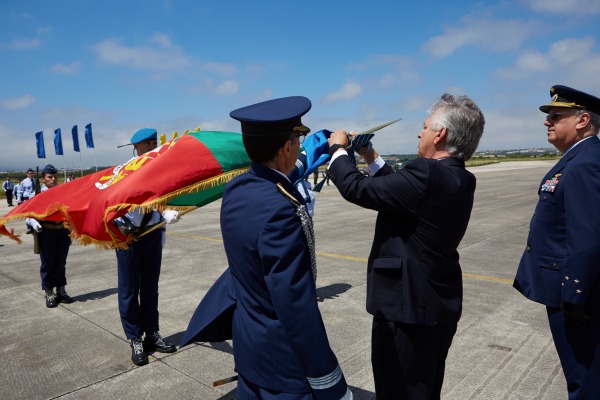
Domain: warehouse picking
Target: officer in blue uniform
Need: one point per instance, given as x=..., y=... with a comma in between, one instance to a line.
x=139, y=270
x=8, y=188
x=53, y=241
x=28, y=187
x=280, y=345
x=560, y=266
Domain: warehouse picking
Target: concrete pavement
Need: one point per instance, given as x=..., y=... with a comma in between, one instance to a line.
x=502, y=350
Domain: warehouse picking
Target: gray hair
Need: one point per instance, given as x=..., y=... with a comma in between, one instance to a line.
x=463, y=121
x=594, y=120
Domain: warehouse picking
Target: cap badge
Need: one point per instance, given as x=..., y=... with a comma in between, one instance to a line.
x=301, y=128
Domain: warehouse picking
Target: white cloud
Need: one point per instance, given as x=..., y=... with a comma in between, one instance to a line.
x=348, y=91
x=69, y=69
x=388, y=70
x=18, y=102
x=29, y=43
x=570, y=7
x=227, y=87
x=25, y=44
x=162, y=40
x=221, y=68
x=493, y=35
x=571, y=60
x=164, y=58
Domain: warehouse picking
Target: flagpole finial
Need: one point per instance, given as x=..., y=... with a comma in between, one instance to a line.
x=378, y=127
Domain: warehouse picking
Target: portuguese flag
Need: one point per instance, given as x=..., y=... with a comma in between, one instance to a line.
x=185, y=173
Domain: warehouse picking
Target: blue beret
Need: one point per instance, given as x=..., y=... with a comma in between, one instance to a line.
x=49, y=169
x=144, y=134
x=566, y=97
x=273, y=117
x=29, y=170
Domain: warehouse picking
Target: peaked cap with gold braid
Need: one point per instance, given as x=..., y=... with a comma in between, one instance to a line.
x=566, y=97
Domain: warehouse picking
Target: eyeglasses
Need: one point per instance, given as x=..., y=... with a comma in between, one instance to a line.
x=300, y=137
x=554, y=117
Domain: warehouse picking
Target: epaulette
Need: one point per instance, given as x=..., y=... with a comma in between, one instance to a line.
x=287, y=194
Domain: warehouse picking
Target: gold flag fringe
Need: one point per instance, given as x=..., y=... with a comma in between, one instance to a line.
x=159, y=203
x=51, y=209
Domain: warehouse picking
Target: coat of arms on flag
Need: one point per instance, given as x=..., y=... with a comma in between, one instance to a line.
x=187, y=172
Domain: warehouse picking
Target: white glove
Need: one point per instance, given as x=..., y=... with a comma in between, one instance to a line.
x=35, y=225
x=171, y=216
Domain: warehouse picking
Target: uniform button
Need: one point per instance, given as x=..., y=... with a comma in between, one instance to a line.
x=528, y=248
x=554, y=264
x=545, y=197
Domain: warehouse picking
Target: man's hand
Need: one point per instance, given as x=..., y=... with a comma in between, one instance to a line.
x=35, y=225
x=338, y=137
x=574, y=313
x=363, y=150
x=171, y=216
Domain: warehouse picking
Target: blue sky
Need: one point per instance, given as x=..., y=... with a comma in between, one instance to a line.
x=176, y=65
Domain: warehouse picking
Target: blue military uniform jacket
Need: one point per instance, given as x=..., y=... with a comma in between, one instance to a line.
x=413, y=273
x=562, y=257
x=279, y=338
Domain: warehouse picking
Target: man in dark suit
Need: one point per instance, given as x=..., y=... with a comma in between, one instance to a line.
x=414, y=281
x=280, y=345
x=560, y=266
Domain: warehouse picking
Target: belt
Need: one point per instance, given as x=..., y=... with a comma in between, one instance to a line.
x=52, y=225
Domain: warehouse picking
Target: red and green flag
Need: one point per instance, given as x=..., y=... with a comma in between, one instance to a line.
x=187, y=172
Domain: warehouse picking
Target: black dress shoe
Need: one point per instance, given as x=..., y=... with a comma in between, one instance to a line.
x=138, y=356
x=62, y=296
x=51, y=299
x=154, y=342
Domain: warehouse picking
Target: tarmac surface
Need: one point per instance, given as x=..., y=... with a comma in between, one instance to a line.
x=503, y=348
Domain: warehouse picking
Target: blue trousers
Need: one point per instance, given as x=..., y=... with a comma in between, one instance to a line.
x=579, y=352
x=54, y=248
x=247, y=390
x=138, y=274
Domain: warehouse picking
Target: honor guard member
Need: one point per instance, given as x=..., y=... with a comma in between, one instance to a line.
x=16, y=190
x=560, y=266
x=139, y=269
x=27, y=188
x=8, y=188
x=414, y=280
x=280, y=345
x=53, y=241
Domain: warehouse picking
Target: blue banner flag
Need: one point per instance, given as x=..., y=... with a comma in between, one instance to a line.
x=89, y=139
x=39, y=142
x=58, y=143
x=75, y=138
x=316, y=149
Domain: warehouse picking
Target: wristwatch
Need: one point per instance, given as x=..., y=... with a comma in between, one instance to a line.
x=333, y=148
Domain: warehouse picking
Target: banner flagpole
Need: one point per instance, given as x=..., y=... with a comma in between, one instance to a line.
x=64, y=168
x=80, y=164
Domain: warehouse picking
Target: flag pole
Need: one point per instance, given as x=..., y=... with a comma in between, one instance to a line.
x=95, y=160
x=163, y=223
x=80, y=164
x=64, y=167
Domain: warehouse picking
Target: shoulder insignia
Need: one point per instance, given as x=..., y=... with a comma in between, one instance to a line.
x=287, y=194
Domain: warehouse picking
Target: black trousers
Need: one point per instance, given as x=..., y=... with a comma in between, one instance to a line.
x=578, y=348
x=9, y=197
x=409, y=360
